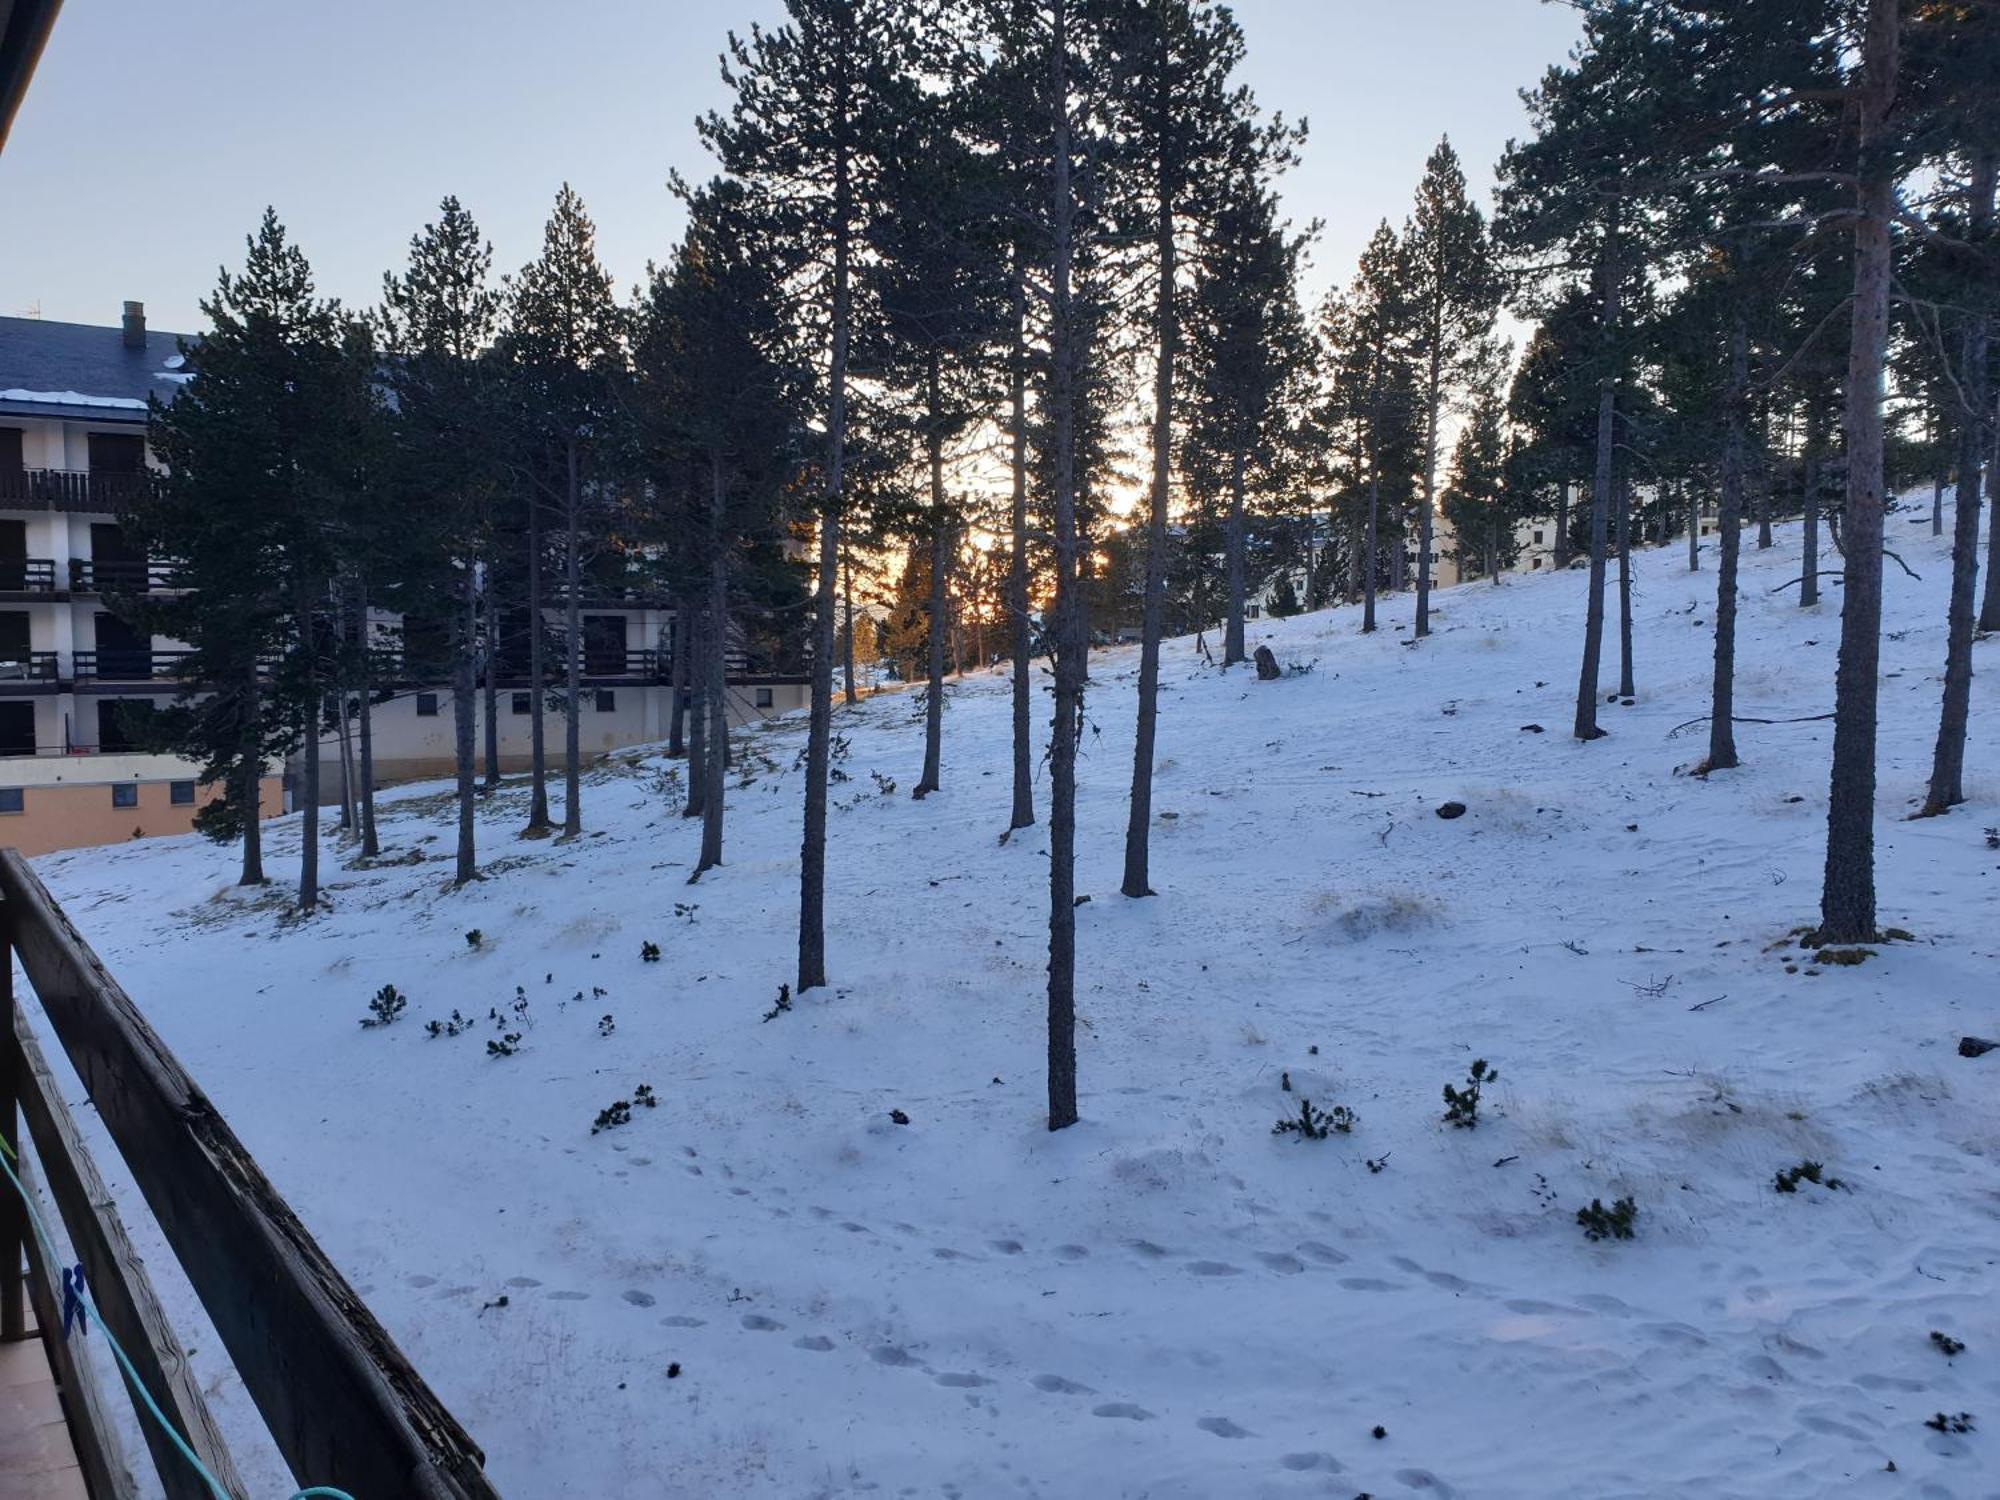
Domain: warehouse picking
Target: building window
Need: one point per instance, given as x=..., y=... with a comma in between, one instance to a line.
x=1538, y=536
x=13, y=800
x=607, y=701
x=1538, y=562
x=126, y=795
x=523, y=703
x=764, y=698
x=427, y=705
x=181, y=793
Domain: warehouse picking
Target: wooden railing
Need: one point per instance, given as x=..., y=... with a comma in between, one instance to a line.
x=69, y=490
x=89, y=575
x=342, y=1404
x=128, y=664
x=27, y=575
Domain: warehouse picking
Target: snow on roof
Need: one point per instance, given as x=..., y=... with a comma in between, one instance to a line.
x=70, y=398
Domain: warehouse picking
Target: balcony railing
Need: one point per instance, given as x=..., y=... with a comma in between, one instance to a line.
x=121, y=576
x=27, y=666
x=27, y=575
x=68, y=489
x=128, y=664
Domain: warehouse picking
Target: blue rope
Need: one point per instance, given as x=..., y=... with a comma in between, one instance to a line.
x=82, y=1292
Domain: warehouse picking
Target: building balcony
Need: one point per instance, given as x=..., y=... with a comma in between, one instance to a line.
x=28, y=672
x=27, y=575
x=69, y=490
x=121, y=576
x=122, y=665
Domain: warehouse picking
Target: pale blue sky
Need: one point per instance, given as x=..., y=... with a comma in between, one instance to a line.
x=155, y=133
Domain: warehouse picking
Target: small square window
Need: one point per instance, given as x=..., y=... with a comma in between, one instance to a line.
x=1538, y=536
x=181, y=793
x=427, y=705
x=607, y=701
x=13, y=800
x=523, y=703
x=125, y=795
x=764, y=698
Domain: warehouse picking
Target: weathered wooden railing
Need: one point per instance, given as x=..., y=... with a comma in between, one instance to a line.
x=343, y=1406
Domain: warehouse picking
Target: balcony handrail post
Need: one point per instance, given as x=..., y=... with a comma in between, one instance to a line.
x=13, y=1213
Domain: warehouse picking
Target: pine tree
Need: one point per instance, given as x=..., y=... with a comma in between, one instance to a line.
x=565, y=334
x=439, y=319
x=1452, y=288
x=1479, y=500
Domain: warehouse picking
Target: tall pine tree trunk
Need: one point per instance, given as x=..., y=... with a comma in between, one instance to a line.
x=1426, y=522
x=251, y=788
x=819, y=725
x=852, y=693
x=538, y=768
x=305, y=603
x=680, y=641
x=371, y=842
x=572, y=650
x=1139, y=817
x=714, y=679
x=1071, y=640
x=1947, y=787
x=1847, y=897
x=464, y=689
x=1600, y=496
x=1694, y=529
x=345, y=738
x=1232, y=632
x=1020, y=632
x=1626, y=680
x=931, y=780
x=697, y=746
x=492, y=683
x=1371, y=553
x=1729, y=535
x=1809, y=524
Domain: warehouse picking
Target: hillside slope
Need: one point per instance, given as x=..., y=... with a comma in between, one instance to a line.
x=1169, y=1301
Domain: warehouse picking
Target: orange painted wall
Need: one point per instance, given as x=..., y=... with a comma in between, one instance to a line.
x=79, y=817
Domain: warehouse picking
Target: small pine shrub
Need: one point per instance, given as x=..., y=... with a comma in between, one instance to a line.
x=686, y=910
x=458, y=1025
x=784, y=1003
x=475, y=939
x=1461, y=1106
x=505, y=1045
x=1946, y=1345
x=1944, y=1422
x=886, y=785
x=618, y=1112
x=644, y=1095
x=385, y=1009
x=649, y=953
x=1807, y=1171
x=605, y=1025
x=1314, y=1124
x=1613, y=1223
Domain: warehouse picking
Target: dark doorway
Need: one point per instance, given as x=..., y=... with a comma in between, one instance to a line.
x=122, y=652
x=13, y=553
x=604, y=645
x=17, y=729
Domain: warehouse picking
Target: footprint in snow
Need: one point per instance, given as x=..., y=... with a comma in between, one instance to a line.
x=682, y=1320
x=818, y=1343
x=1072, y=1252
x=1370, y=1284
x=1057, y=1385
x=894, y=1356
x=1006, y=1247
x=569, y=1296
x=1299, y=1463
x=1289, y=1265
x=1222, y=1427
x=945, y=1253
x=1425, y=1480
x=1124, y=1409
x=1213, y=1268
x=522, y=1281
x=638, y=1298
x=1324, y=1254
x=420, y=1282
x=853, y=1228
x=758, y=1323
x=1148, y=1249
x=962, y=1380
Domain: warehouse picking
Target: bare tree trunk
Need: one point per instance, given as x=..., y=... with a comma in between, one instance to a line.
x=1694, y=529
x=819, y=726
x=572, y=651
x=1764, y=514
x=1947, y=788
x=1809, y=526
x=1729, y=534
x=538, y=769
x=1070, y=637
x=697, y=747
x=1562, y=526
x=680, y=642
x=1232, y=632
x=345, y=740
x=1626, y=680
x=931, y=780
x=492, y=683
x=1139, y=818
x=464, y=688
x=1371, y=556
x=847, y=611
x=1426, y=521
x=1847, y=898
x=1600, y=499
x=310, y=707
x=1020, y=629
x=1937, y=504
x=364, y=776
x=715, y=680
x=251, y=790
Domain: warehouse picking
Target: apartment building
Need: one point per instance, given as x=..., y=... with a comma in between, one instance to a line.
x=75, y=678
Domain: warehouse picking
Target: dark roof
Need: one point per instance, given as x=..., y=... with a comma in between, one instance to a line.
x=97, y=378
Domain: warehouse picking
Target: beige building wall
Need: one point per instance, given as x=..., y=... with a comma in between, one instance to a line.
x=70, y=804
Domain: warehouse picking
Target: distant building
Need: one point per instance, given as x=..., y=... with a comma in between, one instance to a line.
x=74, y=677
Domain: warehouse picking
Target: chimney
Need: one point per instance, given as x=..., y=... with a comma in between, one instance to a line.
x=135, y=325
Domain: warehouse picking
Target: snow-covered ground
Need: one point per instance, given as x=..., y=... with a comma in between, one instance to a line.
x=1169, y=1300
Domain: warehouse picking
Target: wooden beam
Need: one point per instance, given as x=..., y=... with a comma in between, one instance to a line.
x=91, y=1432
x=120, y=1287
x=342, y=1403
x=13, y=1219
